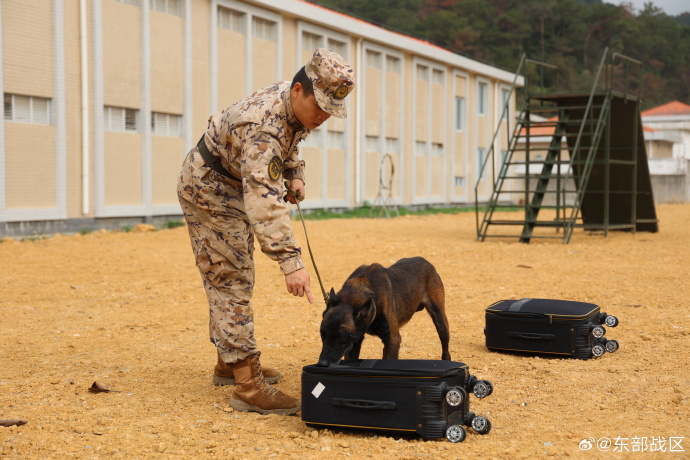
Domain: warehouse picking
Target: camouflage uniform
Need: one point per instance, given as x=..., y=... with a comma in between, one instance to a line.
x=256, y=140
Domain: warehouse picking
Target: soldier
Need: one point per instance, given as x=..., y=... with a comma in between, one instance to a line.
x=231, y=191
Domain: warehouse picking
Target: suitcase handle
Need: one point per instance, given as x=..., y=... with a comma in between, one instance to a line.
x=363, y=403
x=531, y=335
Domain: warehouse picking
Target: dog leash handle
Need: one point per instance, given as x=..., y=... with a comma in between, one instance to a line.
x=299, y=198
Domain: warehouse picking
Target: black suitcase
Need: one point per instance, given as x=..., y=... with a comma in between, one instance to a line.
x=560, y=327
x=429, y=398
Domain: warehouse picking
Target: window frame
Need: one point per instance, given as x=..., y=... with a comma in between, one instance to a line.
x=258, y=26
x=123, y=115
x=32, y=117
x=460, y=113
x=167, y=8
x=169, y=131
x=241, y=17
x=482, y=154
x=323, y=36
x=482, y=97
x=505, y=98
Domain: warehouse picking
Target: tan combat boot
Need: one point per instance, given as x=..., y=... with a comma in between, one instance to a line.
x=254, y=394
x=222, y=374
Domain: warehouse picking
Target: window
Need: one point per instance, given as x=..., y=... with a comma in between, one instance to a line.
x=422, y=72
x=392, y=64
x=481, y=157
x=310, y=42
x=392, y=145
x=120, y=119
x=336, y=140
x=459, y=113
x=459, y=181
x=167, y=6
x=27, y=109
x=371, y=144
x=437, y=150
x=420, y=148
x=337, y=46
x=374, y=60
x=166, y=124
x=264, y=29
x=481, y=103
x=129, y=2
x=231, y=20
x=312, y=140
x=504, y=101
x=438, y=77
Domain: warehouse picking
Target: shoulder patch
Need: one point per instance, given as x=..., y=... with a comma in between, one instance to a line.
x=275, y=168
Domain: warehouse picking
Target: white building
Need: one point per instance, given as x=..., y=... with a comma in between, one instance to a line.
x=667, y=139
x=103, y=98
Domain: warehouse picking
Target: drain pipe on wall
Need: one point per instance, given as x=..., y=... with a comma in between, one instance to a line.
x=358, y=125
x=85, y=164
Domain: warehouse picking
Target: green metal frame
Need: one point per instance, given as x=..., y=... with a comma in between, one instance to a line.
x=597, y=128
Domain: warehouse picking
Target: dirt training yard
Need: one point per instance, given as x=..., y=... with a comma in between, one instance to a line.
x=127, y=310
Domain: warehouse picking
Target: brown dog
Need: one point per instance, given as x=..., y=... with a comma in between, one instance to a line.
x=379, y=301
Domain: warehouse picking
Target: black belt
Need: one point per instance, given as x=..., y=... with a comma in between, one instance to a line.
x=212, y=161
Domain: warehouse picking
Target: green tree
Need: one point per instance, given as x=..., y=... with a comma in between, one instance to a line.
x=571, y=34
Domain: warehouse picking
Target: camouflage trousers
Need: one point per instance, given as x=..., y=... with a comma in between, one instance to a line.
x=223, y=245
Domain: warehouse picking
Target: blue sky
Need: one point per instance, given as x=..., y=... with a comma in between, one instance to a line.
x=670, y=7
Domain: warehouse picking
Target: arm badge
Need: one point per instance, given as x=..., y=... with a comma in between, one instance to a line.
x=275, y=168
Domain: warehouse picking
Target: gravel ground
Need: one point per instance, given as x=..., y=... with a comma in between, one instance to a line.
x=127, y=310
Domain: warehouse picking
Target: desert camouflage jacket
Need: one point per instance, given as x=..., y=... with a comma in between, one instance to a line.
x=256, y=139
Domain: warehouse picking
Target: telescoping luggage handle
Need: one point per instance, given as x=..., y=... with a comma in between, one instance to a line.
x=363, y=404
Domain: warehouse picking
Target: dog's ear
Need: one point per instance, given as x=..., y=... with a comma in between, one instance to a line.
x=366, y=313
x=333, y=300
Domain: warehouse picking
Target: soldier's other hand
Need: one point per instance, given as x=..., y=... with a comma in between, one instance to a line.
x=297, y=284
x=297, y=186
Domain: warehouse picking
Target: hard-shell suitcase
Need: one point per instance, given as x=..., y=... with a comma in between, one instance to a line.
x=429, y=398
x=560, y=327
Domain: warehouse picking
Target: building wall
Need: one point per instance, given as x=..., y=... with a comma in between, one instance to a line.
x=30, y=173
x=659, y=149
x=154, y=77
x=167, y=98
x=670, y=188
x=678, y=126
x=28, y=58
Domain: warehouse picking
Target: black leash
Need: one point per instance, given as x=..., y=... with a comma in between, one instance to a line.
x=299, y=198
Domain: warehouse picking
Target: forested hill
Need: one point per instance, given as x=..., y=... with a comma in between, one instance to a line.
x=571, y=34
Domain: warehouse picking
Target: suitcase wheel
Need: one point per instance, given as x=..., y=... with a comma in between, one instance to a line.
x=454, y=397
x=598, y=332
x=456, y=433
x=611, y=346
x=598, y=350
x=482, y=388
x=480, y=424
x=611, y=321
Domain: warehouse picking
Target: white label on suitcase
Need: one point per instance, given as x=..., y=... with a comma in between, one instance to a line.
x=318, y=389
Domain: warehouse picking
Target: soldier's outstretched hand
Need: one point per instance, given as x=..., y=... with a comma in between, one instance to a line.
x=297, y=284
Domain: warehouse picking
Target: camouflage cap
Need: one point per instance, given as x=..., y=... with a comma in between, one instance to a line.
x=333, y=79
